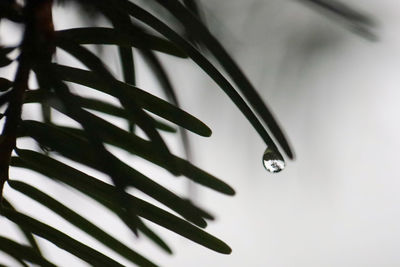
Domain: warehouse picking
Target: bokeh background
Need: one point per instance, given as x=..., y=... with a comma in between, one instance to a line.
x=336, y=95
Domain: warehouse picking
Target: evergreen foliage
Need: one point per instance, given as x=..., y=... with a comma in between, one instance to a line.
x=131, y=28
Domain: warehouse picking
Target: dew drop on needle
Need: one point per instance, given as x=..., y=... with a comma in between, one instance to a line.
x=272, y=161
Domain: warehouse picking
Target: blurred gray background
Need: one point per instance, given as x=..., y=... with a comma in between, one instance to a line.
x=336, y=96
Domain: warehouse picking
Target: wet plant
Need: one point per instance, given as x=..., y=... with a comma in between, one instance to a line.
x=171, y=27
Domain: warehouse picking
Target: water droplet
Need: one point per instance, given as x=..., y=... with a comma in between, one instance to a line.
x=273, y=162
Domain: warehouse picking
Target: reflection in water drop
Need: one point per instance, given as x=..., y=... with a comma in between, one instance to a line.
x=273, y=162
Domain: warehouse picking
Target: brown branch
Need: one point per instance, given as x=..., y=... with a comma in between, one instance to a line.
x=36, y=47
x=13, y=115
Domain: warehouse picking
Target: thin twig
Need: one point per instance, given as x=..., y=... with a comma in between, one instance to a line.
x=36, y=47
